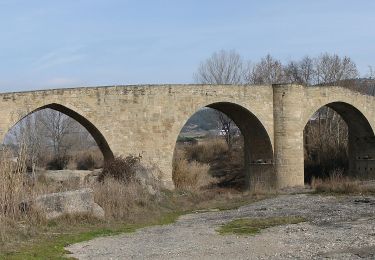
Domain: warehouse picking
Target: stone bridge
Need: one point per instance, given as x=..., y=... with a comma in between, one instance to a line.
x=147, y=120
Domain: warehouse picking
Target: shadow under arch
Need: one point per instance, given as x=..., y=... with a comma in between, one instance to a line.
x=258, y=151
x=95, y=133
x=361, y=139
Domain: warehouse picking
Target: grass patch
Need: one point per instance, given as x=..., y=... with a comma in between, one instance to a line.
x=49, y=240
x=53, y=248
x=52, y=245
x=250, y=226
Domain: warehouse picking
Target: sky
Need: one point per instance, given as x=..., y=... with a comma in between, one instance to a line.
x=75, y=43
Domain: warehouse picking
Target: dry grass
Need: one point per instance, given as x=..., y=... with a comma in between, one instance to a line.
x=12, y=185
x=225, y=166
x=86, y=160
x=44, y=185
x=123, y=169
x=124, y=201
x=206, y=151
x=16, y=221
x=339, y=184
x=192, y=175
x=258, y=188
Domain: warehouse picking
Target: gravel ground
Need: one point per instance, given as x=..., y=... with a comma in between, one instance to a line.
x=337, y=228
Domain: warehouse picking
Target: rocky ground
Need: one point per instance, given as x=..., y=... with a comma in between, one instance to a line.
x=337, y=228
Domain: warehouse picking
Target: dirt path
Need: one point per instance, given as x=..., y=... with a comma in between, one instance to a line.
x=338, y=228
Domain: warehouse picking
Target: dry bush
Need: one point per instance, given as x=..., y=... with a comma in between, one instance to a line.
x=58, y=162
x=336, y=183
x=123, y=190
x=17, y=218
x=225, y=165
x=87, y=160
x=191, y=175
x=16, y=230
x=122, y=200
x=12, y=181
x=120, y=168
x=207, y=151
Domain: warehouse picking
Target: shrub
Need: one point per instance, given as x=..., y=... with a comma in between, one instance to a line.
x=12, y=180
x=58, y=162
x=336, y=183
x=86, y=162
x=206, y=152
x=123, y=201
x=120, y=168
x=191, y=175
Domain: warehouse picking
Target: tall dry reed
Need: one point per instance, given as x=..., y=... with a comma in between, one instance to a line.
x=336, y=183
x=122, y=200
x=192, y=175
x=12, y=183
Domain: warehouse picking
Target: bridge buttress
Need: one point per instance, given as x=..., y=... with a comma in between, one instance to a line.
x=288, y=140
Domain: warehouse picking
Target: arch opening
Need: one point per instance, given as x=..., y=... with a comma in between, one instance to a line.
x=339, y=139
x=56, y=133
x=240, y=153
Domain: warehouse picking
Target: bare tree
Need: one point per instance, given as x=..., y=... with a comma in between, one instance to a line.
x=306, y=70
x=57, y=127
x=326, y=69
x=26, y=134
x=228, y=127
x=331, y=69
x=300, y=72
x=326, y=139
x=46, y=132
x=223, y=67
x=267, y=71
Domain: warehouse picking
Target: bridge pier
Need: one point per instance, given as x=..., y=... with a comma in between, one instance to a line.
x=288, y=138
x=362, y=156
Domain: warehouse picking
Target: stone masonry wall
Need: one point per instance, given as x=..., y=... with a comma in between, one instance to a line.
x=147, y=119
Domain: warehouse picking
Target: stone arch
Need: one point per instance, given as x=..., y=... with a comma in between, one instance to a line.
x=361, y=139
x=90, y=127
x=258, y=150
x=349, y=112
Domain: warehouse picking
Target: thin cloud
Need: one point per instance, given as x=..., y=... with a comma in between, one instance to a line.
x=58, y=57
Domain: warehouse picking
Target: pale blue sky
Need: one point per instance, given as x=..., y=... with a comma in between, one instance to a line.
x=54, y=43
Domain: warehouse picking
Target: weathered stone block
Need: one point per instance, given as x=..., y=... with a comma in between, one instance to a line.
x=71, y=202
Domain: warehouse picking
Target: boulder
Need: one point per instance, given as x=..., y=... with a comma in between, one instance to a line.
x=81, y=201
x=66, y=176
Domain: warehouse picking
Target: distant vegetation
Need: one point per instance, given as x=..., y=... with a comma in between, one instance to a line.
x=204, y=119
